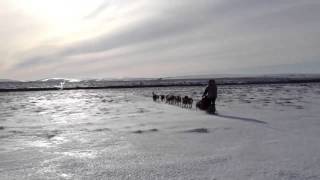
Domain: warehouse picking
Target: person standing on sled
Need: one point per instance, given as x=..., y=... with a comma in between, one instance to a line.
x=211, y=94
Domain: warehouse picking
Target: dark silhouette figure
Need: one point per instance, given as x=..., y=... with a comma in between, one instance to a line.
x=155, y=97
x=177, y=100
x=162, y=97
x=169, y=99
x=184, y=102
x=187, y=102
x=210, y=94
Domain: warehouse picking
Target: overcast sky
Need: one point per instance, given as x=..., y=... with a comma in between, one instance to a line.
x=156, y=38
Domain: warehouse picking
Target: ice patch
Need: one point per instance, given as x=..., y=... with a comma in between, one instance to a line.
x=82, y=154
x=40, y=143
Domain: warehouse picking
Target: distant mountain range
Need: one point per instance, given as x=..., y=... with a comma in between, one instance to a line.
x=7, y=85
x=211, y=76
x=216, y=76
x=203, y=76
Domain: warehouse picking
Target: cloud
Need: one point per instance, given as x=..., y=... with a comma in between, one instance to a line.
x=146, y=30
x=207, y=36
x=102, y=7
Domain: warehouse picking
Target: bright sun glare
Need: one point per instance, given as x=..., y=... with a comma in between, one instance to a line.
x=60, y=16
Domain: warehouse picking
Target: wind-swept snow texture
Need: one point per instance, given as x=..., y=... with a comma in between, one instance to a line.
x=260, y=132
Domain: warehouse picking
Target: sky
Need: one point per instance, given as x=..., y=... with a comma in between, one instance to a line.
x=157, y=38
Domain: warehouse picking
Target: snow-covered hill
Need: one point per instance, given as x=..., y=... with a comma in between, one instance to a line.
x=59, y=79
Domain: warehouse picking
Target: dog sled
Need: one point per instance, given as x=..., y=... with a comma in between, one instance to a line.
x=204, y=104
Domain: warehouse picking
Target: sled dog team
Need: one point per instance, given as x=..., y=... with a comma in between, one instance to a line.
x=185, y=102
x=208, y=101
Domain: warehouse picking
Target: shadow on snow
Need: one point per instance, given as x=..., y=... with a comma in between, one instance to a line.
x=241, y=118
